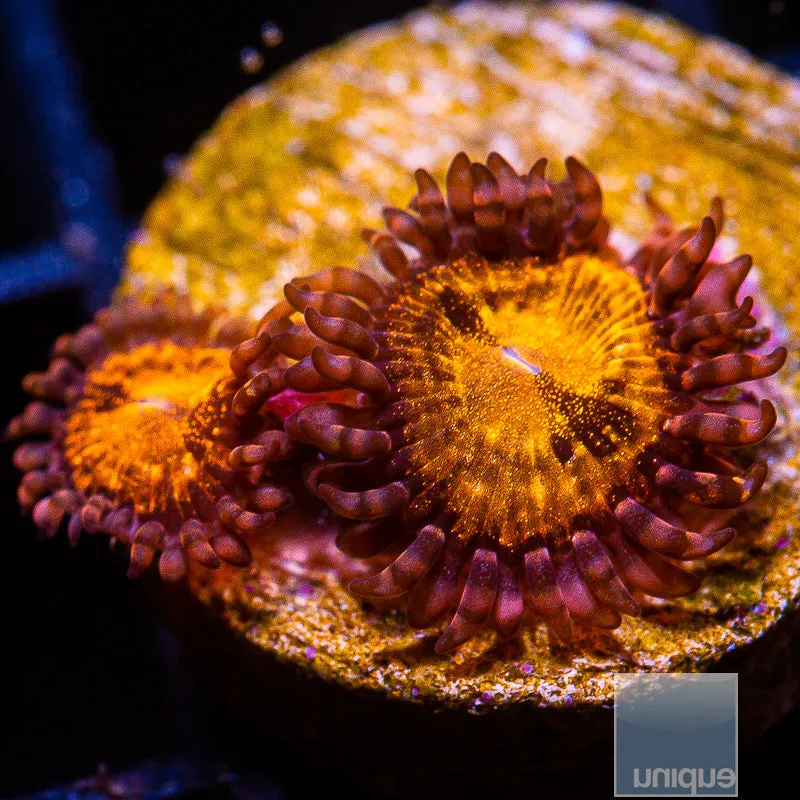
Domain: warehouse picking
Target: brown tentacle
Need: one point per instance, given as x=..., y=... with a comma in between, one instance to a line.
x=722, y=429
x=34, y=485
x=368, y=504
x=588, y=199
x=389, y=253
x=659, y=536
x=238, y=519
x=542, y=221
x=438, y=591
x=477, y=601
x=489, y=211
x=460, y=189
x=269, y=497
x=305, y=377
x=194, y=539
x=723, y=323
x=664, y=249
x=331, y=304
x=408, y=569
x=173, y=562
x=719, y=286
x=293, y=340
x=709, y=489
x=509, y=606
x=544, y=593
x=600, y=574
x=717, y=214
x=681, y=269
x=327, y=427
x=538, y=170
x=280, y=312
x=230, y=547
x=353, y=372
x=368, y=538
x=342, y=332
x=31, y=456
x=244, y=355
x=268, y=447
x=582, y=605
x=54, y=383
x=86, y=346
x=347, y=281
x=250, y=397
x=663, y=225
x=406, y=228
x=433, y=211
x=148, y=539
x=512, y=189
x=38, y=418
x=94, y=512
x=648, y=571
x=733, y=368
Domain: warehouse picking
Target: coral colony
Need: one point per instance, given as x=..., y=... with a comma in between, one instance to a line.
x=525, y=426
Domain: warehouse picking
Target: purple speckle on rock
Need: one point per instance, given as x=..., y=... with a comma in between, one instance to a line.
x=568, y=701
x=486, y=697
x=311, y=652
x=526, y=669
x=783, y=543
x=248, y=587
x=414, y=691
x=305, y=590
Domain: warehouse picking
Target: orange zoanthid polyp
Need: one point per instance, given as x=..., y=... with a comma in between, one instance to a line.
x=539, y=384
x=131, y=434
x=539, y=426
x=144, y=428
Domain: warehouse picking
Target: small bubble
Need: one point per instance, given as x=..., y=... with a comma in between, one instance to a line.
x=172, y=163
x=271, y=34
x=80, y=240
x=75, y=192
x=251, y=60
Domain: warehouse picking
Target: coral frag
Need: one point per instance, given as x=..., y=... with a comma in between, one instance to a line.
x=521, y=422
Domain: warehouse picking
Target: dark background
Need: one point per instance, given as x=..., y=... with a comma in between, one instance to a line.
x=91, y=675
